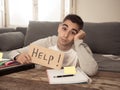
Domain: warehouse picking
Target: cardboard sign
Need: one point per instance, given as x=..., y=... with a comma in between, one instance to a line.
x=46, y=57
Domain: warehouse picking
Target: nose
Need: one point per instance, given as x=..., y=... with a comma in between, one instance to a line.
x=66, y=34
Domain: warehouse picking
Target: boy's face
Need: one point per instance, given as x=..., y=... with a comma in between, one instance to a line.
x=66, y=33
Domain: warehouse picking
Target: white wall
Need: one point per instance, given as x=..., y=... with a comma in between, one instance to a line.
x=99, y=10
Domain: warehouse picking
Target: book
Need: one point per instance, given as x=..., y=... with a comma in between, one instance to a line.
x=8, y=66
x=56, y=76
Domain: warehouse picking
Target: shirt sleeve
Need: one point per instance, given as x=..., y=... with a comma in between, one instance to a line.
x=86, y=61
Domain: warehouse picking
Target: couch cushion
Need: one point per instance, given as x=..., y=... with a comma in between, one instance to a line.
x=11, y=40
x=103, y=37
x=108, y=62
x=37, y=30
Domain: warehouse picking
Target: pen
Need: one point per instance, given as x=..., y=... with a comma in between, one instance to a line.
x=9, y=62
x=59, y=76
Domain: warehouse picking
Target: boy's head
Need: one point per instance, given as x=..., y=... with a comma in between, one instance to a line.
x=67, y=30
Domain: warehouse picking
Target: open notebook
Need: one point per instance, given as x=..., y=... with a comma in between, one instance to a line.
x=58, y=77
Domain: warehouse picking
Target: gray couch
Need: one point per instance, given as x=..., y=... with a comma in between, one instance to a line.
x=103, y=39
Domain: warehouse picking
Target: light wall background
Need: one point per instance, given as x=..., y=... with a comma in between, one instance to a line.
x=98, y=10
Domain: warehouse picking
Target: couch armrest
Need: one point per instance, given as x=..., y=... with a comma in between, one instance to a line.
x=4, y=30
x=22, y=29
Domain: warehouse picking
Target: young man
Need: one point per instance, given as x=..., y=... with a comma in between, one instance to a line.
x=70, y=41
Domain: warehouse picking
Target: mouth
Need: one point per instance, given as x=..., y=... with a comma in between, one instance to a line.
x=63, y=40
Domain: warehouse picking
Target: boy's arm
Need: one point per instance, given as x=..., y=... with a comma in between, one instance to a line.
x=86, y=61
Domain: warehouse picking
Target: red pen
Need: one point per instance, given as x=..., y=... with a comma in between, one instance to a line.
x=9, y=62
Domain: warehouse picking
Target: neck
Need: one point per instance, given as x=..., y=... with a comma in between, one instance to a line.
x=64, y=48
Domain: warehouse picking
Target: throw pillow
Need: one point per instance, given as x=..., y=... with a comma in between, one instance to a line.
x=11, y=40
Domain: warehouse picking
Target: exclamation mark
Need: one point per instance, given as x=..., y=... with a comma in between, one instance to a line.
x=58, y=59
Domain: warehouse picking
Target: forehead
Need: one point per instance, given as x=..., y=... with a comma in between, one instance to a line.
x=70, y=24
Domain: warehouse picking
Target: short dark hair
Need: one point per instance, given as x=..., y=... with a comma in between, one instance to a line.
x=75, y=19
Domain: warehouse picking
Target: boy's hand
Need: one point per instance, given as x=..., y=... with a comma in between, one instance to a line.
x=80, y=35
x=23, y=58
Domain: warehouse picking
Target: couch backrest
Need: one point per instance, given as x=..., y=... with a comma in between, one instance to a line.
x=37, y=30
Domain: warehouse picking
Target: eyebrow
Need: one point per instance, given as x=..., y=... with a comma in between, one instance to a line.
x=64, y=25
x=67, y=26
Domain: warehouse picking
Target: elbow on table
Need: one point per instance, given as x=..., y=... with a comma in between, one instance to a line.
x=92, y=71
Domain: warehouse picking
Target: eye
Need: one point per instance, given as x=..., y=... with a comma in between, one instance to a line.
x=73, y=32
x=64, y=28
